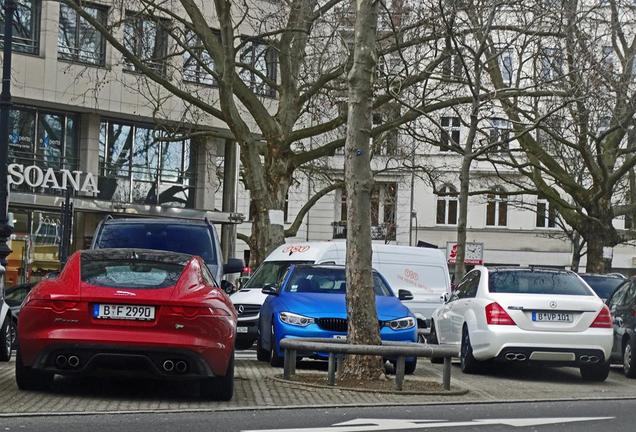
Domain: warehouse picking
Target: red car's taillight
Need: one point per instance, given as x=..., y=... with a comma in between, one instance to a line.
x=191, y=312
x=496, y=315
x=603, y=319
x=56, y=305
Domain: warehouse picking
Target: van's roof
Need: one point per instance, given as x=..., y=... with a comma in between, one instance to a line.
x=312, y=251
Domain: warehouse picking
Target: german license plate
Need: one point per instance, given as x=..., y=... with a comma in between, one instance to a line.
x=551, y=316
x=241, y=329
x=123, y=312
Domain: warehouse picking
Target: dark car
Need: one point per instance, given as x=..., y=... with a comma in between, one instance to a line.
x=603, y=284
x=14, y=296
x=622, y=305
x=194, y=237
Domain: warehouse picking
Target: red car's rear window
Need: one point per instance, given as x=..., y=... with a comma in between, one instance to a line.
x=137, y=274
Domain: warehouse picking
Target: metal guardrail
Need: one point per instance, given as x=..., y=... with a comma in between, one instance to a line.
x=337, y=347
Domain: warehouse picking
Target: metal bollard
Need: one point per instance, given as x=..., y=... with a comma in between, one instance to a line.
x=289, y=365
x=331, y=370
x=399, y=373
x=446, y=377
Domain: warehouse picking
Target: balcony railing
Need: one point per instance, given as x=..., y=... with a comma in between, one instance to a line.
x=385, y=231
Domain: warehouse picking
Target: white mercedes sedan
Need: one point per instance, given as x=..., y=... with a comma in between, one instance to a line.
x=520, y=315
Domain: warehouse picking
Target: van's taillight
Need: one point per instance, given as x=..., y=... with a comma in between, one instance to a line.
x=56, y=305
x=603, y=319
x=496, y=315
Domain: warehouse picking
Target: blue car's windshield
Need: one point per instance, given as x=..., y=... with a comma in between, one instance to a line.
x=328, y=281
x=188, y=239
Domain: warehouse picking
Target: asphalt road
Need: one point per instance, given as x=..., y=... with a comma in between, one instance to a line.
x=578, y=416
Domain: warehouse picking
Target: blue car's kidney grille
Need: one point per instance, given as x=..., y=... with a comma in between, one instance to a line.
x=336, y=324
x=332, y=324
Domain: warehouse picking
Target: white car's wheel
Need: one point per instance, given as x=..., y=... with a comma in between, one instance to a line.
x=467, y=361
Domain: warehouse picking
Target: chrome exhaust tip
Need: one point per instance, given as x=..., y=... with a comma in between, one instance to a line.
x=515, y=357
x=181, y=366
x=593, y=359
x=61, y=361
x=168, y=365
x=584, y=359
x=73, y=361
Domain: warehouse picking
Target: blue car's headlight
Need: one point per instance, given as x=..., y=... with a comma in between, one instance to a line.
x=295, y=319
x=401, y=323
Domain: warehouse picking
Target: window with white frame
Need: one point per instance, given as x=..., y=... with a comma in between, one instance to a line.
x=499, y=132
x=497, y=207
x=551, y=63
x=79, y=41
x=505, y=59
x=452, y=66
x=260, y=67
x=26, y=25
x=546, y=213
x=198, y=65
x=147, y=38
x=447, y=206
x=607, y=57
x=450, y=133
x=549, y=132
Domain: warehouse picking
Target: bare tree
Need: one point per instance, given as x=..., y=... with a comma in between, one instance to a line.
x=588, y=62
x=361, y=313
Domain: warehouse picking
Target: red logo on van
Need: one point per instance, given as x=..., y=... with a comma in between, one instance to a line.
x=296, y=249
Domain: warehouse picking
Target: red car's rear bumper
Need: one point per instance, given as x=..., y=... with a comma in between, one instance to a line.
x=129, y=349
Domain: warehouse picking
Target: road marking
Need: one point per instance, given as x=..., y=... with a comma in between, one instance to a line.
x=371, y=425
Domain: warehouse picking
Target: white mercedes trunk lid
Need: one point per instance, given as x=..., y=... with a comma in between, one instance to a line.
x=581, y=309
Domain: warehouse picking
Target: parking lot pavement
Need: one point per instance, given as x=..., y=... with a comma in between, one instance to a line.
x=255, y=388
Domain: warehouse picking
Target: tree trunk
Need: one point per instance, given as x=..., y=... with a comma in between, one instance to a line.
x=361, y=312
x=595, y=262
x=577, y=248
x=462, y=219
x=268, y=185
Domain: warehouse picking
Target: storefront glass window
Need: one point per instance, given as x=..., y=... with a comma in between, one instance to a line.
x=146, y=154
x=35, y=245
x=171, y=161
x=21, y=133
x=153, y=168
x=50, y=140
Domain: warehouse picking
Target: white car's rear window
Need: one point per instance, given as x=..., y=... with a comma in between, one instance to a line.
x=536, y=282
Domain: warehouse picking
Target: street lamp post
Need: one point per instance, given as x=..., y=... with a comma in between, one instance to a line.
x=5, y=107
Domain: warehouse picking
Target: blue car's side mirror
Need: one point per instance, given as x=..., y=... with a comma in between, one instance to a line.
x=270, y=289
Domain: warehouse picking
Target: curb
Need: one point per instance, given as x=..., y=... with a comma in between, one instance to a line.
x=457, y=392
x=297, y=407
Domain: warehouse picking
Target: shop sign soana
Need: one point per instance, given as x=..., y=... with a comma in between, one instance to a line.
x=34, y=176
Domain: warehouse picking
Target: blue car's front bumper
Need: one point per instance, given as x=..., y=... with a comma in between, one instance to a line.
x=284, y=330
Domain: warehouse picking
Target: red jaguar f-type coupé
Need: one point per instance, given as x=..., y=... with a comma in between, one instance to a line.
x=129, y=311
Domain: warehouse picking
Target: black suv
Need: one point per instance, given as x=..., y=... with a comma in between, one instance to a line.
x=193, y=237
x=622, y=305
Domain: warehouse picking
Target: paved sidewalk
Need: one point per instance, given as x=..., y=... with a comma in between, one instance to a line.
x=256, y=389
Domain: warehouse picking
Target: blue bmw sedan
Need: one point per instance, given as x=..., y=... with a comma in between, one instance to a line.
x=310, y=302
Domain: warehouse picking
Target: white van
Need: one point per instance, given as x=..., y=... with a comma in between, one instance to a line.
x=422, y=271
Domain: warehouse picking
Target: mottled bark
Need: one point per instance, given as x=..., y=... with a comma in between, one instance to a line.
x=361, y=310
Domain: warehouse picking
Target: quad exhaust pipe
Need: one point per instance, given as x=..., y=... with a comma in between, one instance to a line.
x=515, y=357
x=589, y=359
x=63, y=361
x=181, y=366
x=178, y=366
x=168, y=365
